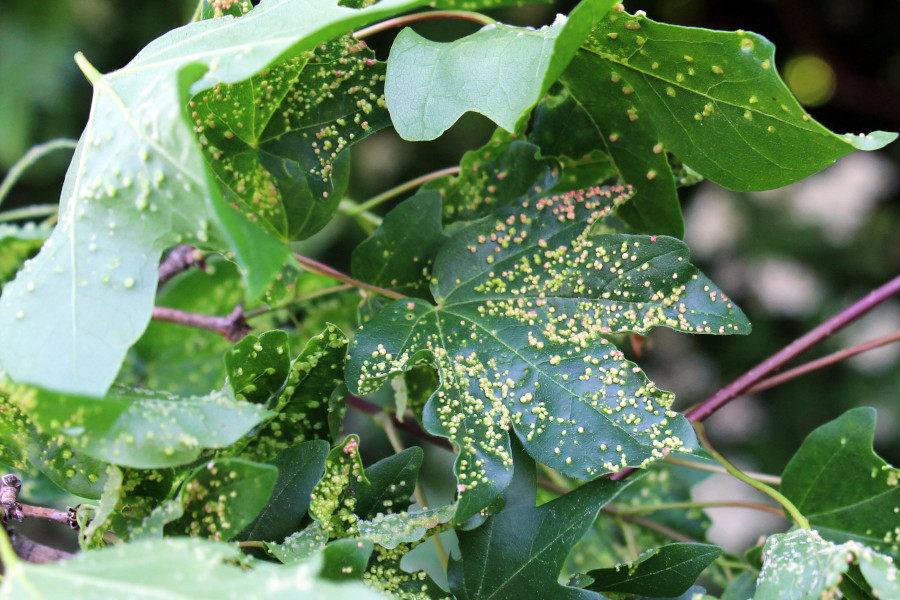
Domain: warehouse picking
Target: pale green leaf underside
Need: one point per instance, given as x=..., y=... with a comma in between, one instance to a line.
x=500, y=71
x=800, y=565
x=714, y=99
x=138, y=184
x=171, y=569
x=394, y=529
x=525, y=300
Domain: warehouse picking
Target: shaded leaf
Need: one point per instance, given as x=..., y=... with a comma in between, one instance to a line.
x=258, y=366
x=306, y=406
x=500, y=71
x=391, y=484
x=801, y=565
x=495, y=175
x=345, y=560
x=222, y=497
x=846, y=490
x=333, y=499
x=667, y=571
x=400, y=254
x=115, y=222
x=525, y=300
x=138, y=428
x=523, y=548
x=171, y=569
x=210, y=9
x=299, y=470
x=276, y=141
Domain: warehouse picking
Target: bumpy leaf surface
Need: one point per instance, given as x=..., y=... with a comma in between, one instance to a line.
x=138, y=428
x=712, y=98
x=801, y=565
x=500, y=71
x=665, y=572
x=846, y=490
x=522, y=549
x=525, y=300
x=172, y=569
x=258, y=366
x=138, y=183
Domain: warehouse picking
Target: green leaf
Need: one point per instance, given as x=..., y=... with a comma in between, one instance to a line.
x=846, y=490
x=23, y=446
x=801, y=565
x=400, y=254
x=345, y=560
x=299, y=546
x=391, y=530
x=711, y=98
x=276, y=142
x=391, y=483
x=299, y=470
x=18, y=244
x=667, y=571
x=210, y=9
x=525, y=300
x=222, y=497
x=592, y=114
x=172, y=569
x=332, y=501
x=115, y=221
x=743, y=587
x=138, y=428
x=306, y=406
x=180, y=359
x=497, y=174
x=500, y=71
x=258, y=366
x=523, y=548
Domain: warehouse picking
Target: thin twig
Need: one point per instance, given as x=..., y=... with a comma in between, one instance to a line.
x=34, y=154
x=823, y=362
x=64, y=517
x=424, y=16
x=649, y=524
x=250, y=314
x=181, y=258
x=652, y=508
x=232, y=327
x=743, y=383
x=317, y=267
x=29, y=212
x=400, y=189
x=33, y=552
x=693, y=464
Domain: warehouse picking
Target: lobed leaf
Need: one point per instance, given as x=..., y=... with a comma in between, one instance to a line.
x=525, y=300
x=390, y=484
x=138, y=428
x=846, y=490
x=500, y=71
x=138, y=184
x=801, y=565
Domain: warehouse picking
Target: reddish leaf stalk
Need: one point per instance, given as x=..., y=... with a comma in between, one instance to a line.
x=232, y=327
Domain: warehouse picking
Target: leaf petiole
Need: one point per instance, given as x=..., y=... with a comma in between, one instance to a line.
x=400, y=189
x=322, y=269
x=424, y=16
x=90, y=72
x=34, y=154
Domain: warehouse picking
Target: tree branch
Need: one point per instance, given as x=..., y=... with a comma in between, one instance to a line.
x=180, y=259
x=323, y=269
x=232, y=327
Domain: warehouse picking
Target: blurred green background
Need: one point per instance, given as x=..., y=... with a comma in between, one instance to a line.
x=790, y=257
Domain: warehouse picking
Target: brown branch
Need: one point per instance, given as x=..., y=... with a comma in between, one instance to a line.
x=33, y=552
x=823, y=362
x=323, y=269
x=423, y=16
x=232, y=327
x=64, y=517
x=180, y=259
x=10, y=484
x=648, y=524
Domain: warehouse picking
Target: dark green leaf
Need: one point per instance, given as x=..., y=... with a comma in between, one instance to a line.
x=391, y=483
x=277, y=140
x=172, y=569
x=138, y=428
x=299, y=470
x=305, y=409
x=743, y=587
x=222, y=497
x=345, y=560
x=114, y=223
x=800, y=565
x=667, y=571
x=500, y=71
x=846, y=490
x=332, y=501
x=258, y=366
x=400, y=254
x=523, y=548
x=712, y=98
x=497, y=174
x=525, y=302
